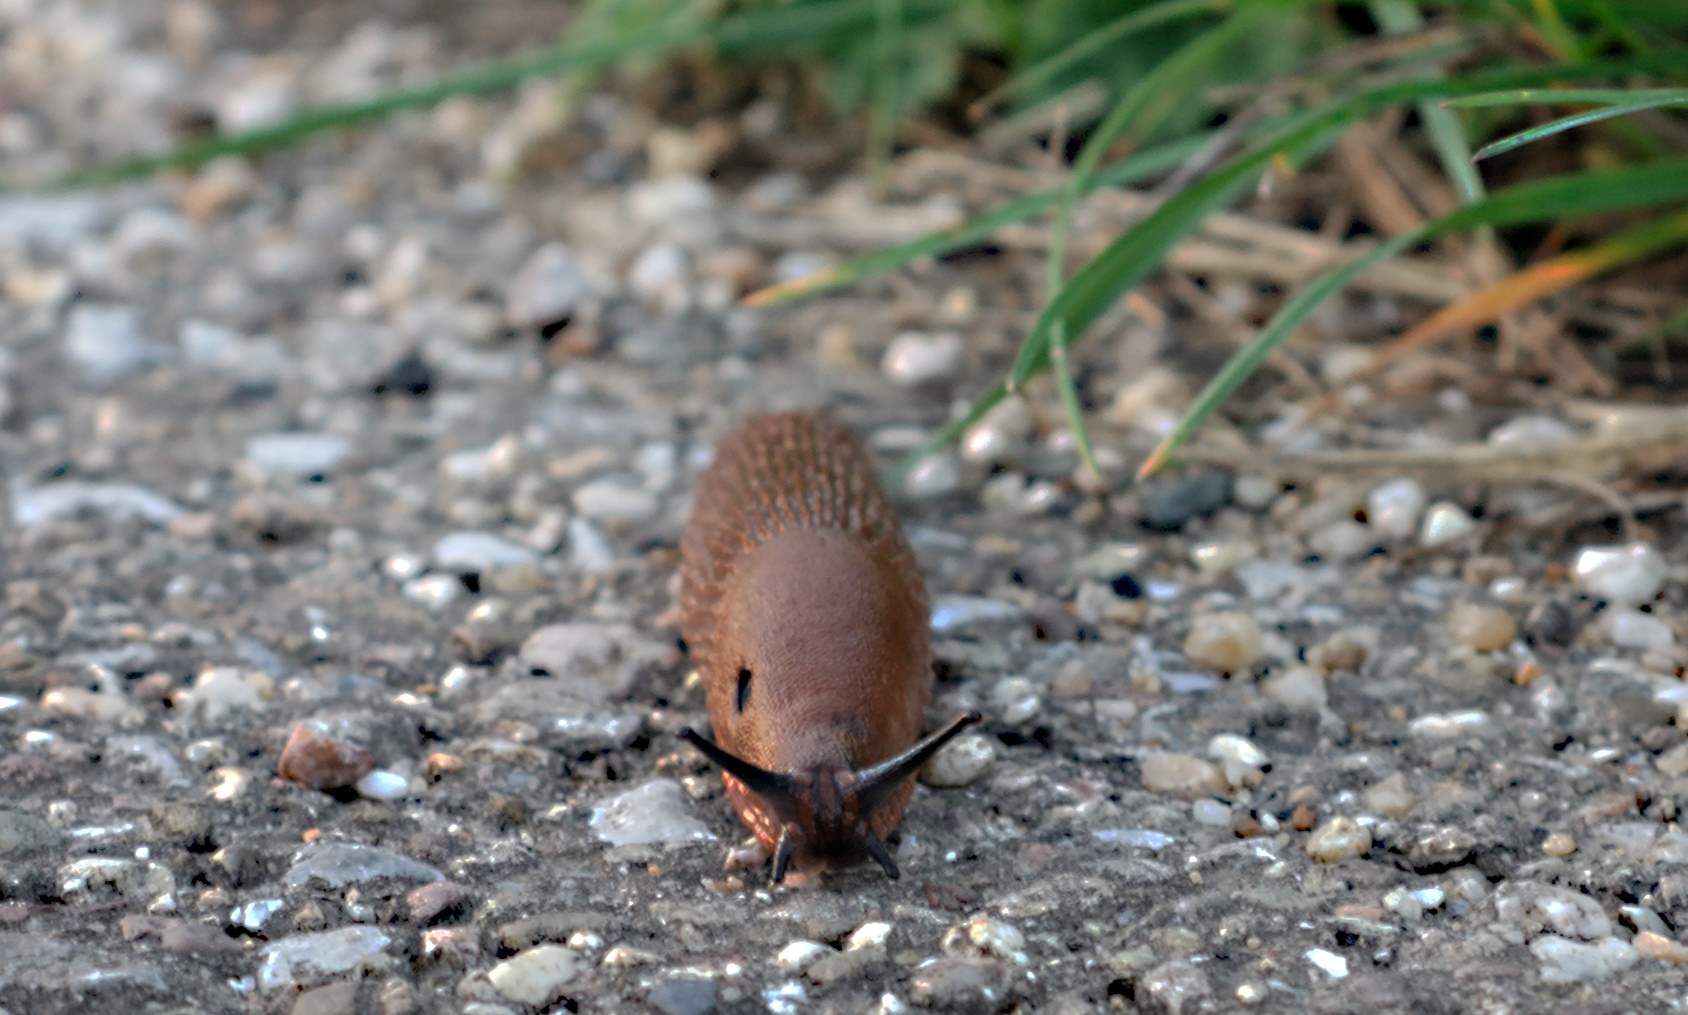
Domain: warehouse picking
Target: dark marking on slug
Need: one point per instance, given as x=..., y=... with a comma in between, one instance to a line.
x=805, y=611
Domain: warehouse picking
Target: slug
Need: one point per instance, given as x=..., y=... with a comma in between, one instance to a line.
x=804, y=609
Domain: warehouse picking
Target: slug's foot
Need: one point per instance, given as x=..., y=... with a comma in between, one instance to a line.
x=747, y=855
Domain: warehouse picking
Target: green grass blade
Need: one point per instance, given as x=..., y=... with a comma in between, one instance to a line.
x=1574, y=121
x=1558, y=199
x=1562, y=96
x=1092, y=43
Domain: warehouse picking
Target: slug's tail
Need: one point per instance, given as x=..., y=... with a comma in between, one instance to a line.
x=829, y=808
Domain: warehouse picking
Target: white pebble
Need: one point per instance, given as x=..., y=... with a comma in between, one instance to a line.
x=1394, y=507
x=1330, y=963
x=800, y=955
x=1445, y=523
x=1446, y=725
x=434, y=591
x=933, y=476
x=869, y=936
x=961, y=761
x=612, y=500
x=1566, y=961
x=1637, y=630
x=1241, y=760
x=1225, y=642
x=1208, y=811
x=1343, y=539
x=383, y=785
x=1299, y=689
x=1627, y=575
x=1015, y=700
x=915, y=358
x=1340, y=838
x=1182, y=774
x=981, y=934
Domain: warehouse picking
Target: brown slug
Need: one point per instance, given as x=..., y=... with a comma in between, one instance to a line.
x=802, y=604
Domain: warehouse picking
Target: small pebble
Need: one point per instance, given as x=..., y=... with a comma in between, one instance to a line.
x=1445, y=523
x=297, y=455
x=1180, y=774
x=1636, y=630
x=1566, y=961
x=936, y=475
x=383, y=785
x=1393, y=508
x=1674, y=762
x=1242, y=761
x=316, y=760
x=653, y=813
x=983, y=935
x=1625, y=575
x=870, y=937
x=611, y=500
x=1225, y=642
x=915, y=358
x=961, y=762
x=1213, y=813
x=1391, y=797
x=800, y=955
x=535, y=977
x=1483, y=628
x=1338, y=839
x=1299, y=689
x=472, y=553
x=1344, y=539
x=1328, y=962
x=1650, y=945
x=1015, y=700
x=1559, y=844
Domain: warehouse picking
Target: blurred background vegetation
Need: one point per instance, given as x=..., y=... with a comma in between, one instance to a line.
x=1547, y=136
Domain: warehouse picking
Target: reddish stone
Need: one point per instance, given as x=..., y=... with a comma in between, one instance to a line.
x=312, y=758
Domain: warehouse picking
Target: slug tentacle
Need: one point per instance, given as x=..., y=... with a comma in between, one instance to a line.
x=826, y=805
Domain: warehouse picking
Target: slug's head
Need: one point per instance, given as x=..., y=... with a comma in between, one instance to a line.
x=827, y=809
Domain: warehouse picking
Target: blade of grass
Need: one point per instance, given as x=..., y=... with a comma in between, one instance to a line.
x=1566, y=96
x=1557, y=199
x=1091, y=43
x=1574, y=121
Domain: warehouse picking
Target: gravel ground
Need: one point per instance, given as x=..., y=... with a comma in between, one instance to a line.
x=338, y=671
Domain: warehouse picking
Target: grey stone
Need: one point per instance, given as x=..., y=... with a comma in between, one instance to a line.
x=653, y=813
x=339, y=864
x=306, y=958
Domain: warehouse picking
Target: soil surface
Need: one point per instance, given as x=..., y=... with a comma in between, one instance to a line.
x=376, y=452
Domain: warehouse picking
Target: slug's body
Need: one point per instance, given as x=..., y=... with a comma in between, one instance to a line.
x=803, y=606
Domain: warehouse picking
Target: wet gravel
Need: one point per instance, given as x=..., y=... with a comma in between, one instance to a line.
x=338, y=670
